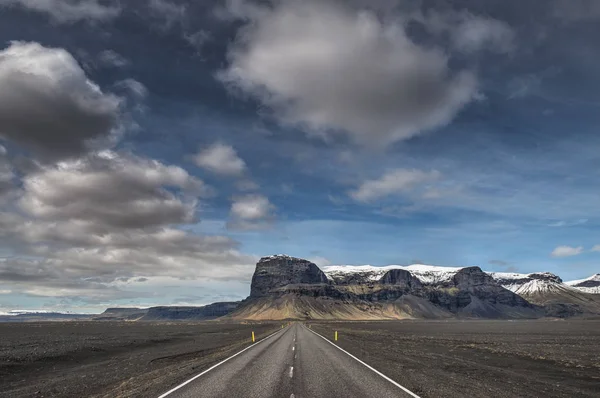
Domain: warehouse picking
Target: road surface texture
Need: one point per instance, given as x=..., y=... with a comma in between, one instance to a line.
x=480, y=358
x=294, y=362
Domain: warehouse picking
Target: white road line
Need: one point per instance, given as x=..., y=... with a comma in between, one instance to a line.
x=291, y=371
x=406, y=390
x=214, y=366
x=293, y=348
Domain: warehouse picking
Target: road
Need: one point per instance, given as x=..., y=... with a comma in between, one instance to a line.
x=294, y=362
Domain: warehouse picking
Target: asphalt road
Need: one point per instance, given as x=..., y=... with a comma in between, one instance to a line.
x=294, y=362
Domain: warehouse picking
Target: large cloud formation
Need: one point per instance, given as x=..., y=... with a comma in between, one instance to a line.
x=329, y=68
x=68, y=11
x=88, y=223
x=48, y=105
x=82, y=220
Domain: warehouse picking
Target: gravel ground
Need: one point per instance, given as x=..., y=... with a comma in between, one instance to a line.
x=113, y=359
x=540, y=358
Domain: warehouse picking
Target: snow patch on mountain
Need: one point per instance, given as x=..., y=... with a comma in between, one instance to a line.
x=587, y=285
x=367, y=272
x=426, y=274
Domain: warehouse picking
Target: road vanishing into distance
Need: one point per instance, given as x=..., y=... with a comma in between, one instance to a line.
x=294, y=362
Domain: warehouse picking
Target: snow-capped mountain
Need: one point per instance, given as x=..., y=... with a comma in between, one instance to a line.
x=548, y=290
x=426, y=274
x=588, y=285
x=528, y=284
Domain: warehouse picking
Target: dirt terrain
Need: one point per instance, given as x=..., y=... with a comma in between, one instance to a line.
x=541, y=358
x=113, y=359
x=450, y=358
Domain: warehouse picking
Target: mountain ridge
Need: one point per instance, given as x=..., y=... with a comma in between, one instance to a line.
x=290, y=287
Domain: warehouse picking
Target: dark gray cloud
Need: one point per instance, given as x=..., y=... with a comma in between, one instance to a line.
x=111, y=190
x=6, y=173
x=333, y=69
x=49, y=106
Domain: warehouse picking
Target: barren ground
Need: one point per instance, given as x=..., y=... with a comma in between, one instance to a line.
x=113, y=359
x=541, y=358
x=452, y=358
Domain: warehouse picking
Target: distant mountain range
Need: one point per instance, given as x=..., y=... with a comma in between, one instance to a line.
x=285, y=287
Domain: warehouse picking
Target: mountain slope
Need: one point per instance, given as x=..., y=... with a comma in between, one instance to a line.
x=548, y=290
x=588, y=285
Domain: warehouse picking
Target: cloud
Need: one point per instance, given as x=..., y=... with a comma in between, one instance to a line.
x=221, y=159
x=251, y=212
x=170, y=12
x=392, y=182
x=113, y=59
x=332, y=70
x=320, y=261
x=198, y=39
x=86, y=224
x=6, y=173
x=568, y=223
x=48, y=105
x=566, y=251
x=596, y=248
x=113, y=190
x=68, y=11
x=469, y=33
x=133, y=87
x=575, y=10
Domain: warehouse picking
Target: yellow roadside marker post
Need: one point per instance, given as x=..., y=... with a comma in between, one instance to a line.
x=336, y=335
x=253, y=337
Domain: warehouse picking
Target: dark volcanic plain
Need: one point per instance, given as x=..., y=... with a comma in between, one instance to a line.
x=479, y=359
x=113, y=359
x=450, y=358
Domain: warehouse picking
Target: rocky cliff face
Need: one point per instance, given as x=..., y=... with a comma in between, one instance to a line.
x=284, y=286
x=210, y=311
x=275, y=272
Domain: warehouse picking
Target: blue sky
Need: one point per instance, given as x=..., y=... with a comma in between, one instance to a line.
x=153, y=150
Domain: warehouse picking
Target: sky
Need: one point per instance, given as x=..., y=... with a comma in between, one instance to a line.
x=151, y=151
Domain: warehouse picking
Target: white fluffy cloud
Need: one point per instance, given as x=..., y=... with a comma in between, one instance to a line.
x=48, y=105
x=566, y=251
x=251, y=212
x=251, y=207
x=331, y=69
x=392, y=182
x=67, y=11
x=221, y=159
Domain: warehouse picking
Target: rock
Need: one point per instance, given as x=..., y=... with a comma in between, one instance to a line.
x=278, y=271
